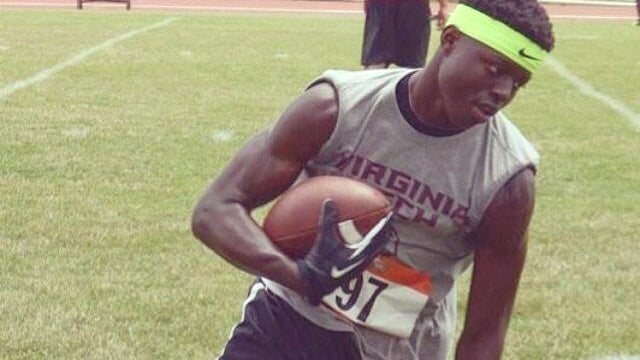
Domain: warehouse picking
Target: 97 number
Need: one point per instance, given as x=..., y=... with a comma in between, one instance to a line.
x=353, y=289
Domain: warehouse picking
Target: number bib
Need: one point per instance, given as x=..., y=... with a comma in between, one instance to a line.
x=388, y=297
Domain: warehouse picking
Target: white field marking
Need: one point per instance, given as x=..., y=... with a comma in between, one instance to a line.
x=4, y=48
x=222, y=135
x=77, y=132
x=257, y=9
x=618, y=357
x=592, y=17
x=281, y=56
x=76, y=59
x=186, y=54
x=578, y=37
x=586, y=88
x=588, y=2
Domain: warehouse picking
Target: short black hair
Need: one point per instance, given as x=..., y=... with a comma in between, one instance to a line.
x=527, y=17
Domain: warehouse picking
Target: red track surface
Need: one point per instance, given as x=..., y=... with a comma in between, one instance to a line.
x=555, y=10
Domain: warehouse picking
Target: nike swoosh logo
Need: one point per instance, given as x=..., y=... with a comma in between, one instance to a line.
x=338, y=273
x=525, y=55
x=360, y=246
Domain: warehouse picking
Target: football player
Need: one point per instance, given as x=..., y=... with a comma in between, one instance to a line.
x=461, y=178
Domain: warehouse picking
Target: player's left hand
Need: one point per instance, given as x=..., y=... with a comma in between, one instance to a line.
x=330, y=262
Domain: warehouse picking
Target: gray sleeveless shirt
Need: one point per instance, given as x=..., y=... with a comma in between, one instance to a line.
x=439, y=186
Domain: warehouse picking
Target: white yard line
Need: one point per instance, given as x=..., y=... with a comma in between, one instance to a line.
x=76, y=59
x=592, y=17
x=251, y=9
x=589, y=2
x=587, y=89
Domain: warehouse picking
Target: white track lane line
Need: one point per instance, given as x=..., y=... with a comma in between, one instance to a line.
x=277, y=10
x=587, y=89
x=76, y=59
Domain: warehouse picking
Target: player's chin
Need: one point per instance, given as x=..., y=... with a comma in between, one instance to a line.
x=468, y=120
x=479, y=115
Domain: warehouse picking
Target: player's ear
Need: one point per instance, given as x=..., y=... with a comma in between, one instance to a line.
x=449, y=37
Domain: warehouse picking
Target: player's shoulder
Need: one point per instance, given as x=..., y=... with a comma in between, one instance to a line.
x=369, y=78
x=512, y=140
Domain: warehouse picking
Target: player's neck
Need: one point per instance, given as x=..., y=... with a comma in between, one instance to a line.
x=427, y=105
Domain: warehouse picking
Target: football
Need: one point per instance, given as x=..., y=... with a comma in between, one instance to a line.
x=292, y=222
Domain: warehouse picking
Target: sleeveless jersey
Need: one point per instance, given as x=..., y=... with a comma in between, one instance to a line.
x=439, y=187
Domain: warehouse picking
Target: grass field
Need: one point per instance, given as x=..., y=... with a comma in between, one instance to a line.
x=107, y=141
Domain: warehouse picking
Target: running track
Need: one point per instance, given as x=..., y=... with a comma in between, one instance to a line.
x=338, y=7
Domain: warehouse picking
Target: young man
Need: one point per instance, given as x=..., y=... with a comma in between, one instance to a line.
x=461, y=178
x=398, y=32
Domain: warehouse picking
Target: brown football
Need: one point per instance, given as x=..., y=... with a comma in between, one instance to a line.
x=292, y=222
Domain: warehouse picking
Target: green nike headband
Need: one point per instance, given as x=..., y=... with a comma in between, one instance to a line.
x=498, y=36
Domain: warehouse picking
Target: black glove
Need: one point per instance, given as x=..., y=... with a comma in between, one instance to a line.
x=331, y=262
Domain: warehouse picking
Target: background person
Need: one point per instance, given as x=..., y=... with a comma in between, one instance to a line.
x=398, y=32
x=461, y=179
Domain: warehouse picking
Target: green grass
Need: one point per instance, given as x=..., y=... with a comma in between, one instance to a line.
x=101, y=163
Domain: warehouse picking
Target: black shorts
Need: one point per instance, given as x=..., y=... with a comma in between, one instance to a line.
x=396, y=32
x=271, y=330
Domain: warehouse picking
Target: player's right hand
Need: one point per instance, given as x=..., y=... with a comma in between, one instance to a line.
x=331, y=262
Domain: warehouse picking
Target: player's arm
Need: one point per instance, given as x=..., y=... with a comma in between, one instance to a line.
x=266, y=166
x=498, y=262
